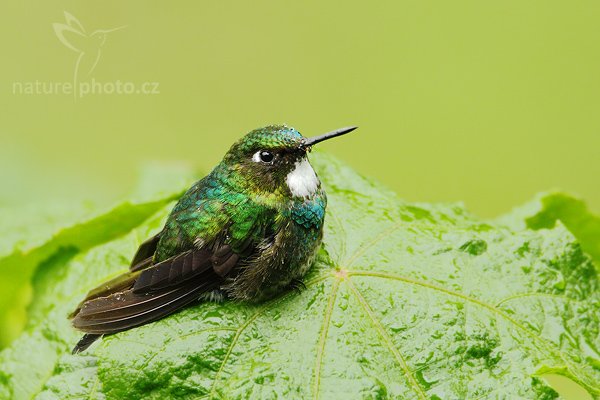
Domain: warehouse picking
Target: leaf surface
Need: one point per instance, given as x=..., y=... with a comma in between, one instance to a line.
x=405, y=300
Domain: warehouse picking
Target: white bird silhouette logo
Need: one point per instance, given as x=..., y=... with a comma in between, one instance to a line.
x=88, y=46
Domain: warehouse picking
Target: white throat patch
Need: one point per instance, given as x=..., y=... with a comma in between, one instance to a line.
x=302, y=180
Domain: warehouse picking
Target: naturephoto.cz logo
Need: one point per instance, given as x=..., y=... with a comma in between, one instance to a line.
x=87, y=47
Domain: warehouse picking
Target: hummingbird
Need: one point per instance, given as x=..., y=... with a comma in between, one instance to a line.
x=247, y=231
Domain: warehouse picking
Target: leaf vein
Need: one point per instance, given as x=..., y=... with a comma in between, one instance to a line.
x=323, y=337
x=363, y=249
x=538, y=294
x=388, y=341
x=249, y=321
x=546, y=347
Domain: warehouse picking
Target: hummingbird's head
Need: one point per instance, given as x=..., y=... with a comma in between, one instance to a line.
x=274, y=159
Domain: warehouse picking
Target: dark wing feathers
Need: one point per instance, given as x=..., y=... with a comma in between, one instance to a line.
x=221, y=259
x=145, y=253
x=138, y=297
x=118, y=284
x=108, y=318
x=150, y=291
x=223, y=268
x=173, y=270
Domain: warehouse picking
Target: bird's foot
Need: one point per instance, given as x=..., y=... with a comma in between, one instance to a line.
x=214, y=296
x=297, y=285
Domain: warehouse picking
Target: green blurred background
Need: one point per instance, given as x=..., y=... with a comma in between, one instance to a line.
x=483, y=102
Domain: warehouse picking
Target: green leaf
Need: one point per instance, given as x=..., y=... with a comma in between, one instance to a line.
x=34, y=233
x=405, y=301
x=548, y=208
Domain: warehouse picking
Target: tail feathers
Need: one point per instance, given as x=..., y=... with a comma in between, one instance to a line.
x=85, y=342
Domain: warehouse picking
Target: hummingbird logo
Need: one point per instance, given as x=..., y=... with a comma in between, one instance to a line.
x=88, y=46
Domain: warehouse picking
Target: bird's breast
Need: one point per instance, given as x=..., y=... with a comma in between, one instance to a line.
x=310, y=213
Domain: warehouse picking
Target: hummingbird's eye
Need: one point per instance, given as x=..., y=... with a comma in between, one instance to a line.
x=263, y=156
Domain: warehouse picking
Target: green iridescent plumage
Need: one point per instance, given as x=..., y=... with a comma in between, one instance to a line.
x=247, y=231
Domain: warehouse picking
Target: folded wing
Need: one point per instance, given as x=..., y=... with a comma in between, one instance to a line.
x=141, y=296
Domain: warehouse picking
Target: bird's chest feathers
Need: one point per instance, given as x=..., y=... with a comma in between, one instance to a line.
x=309, y=214
x=302, y=180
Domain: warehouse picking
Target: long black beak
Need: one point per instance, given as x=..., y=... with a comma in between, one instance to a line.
x=316, y=139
